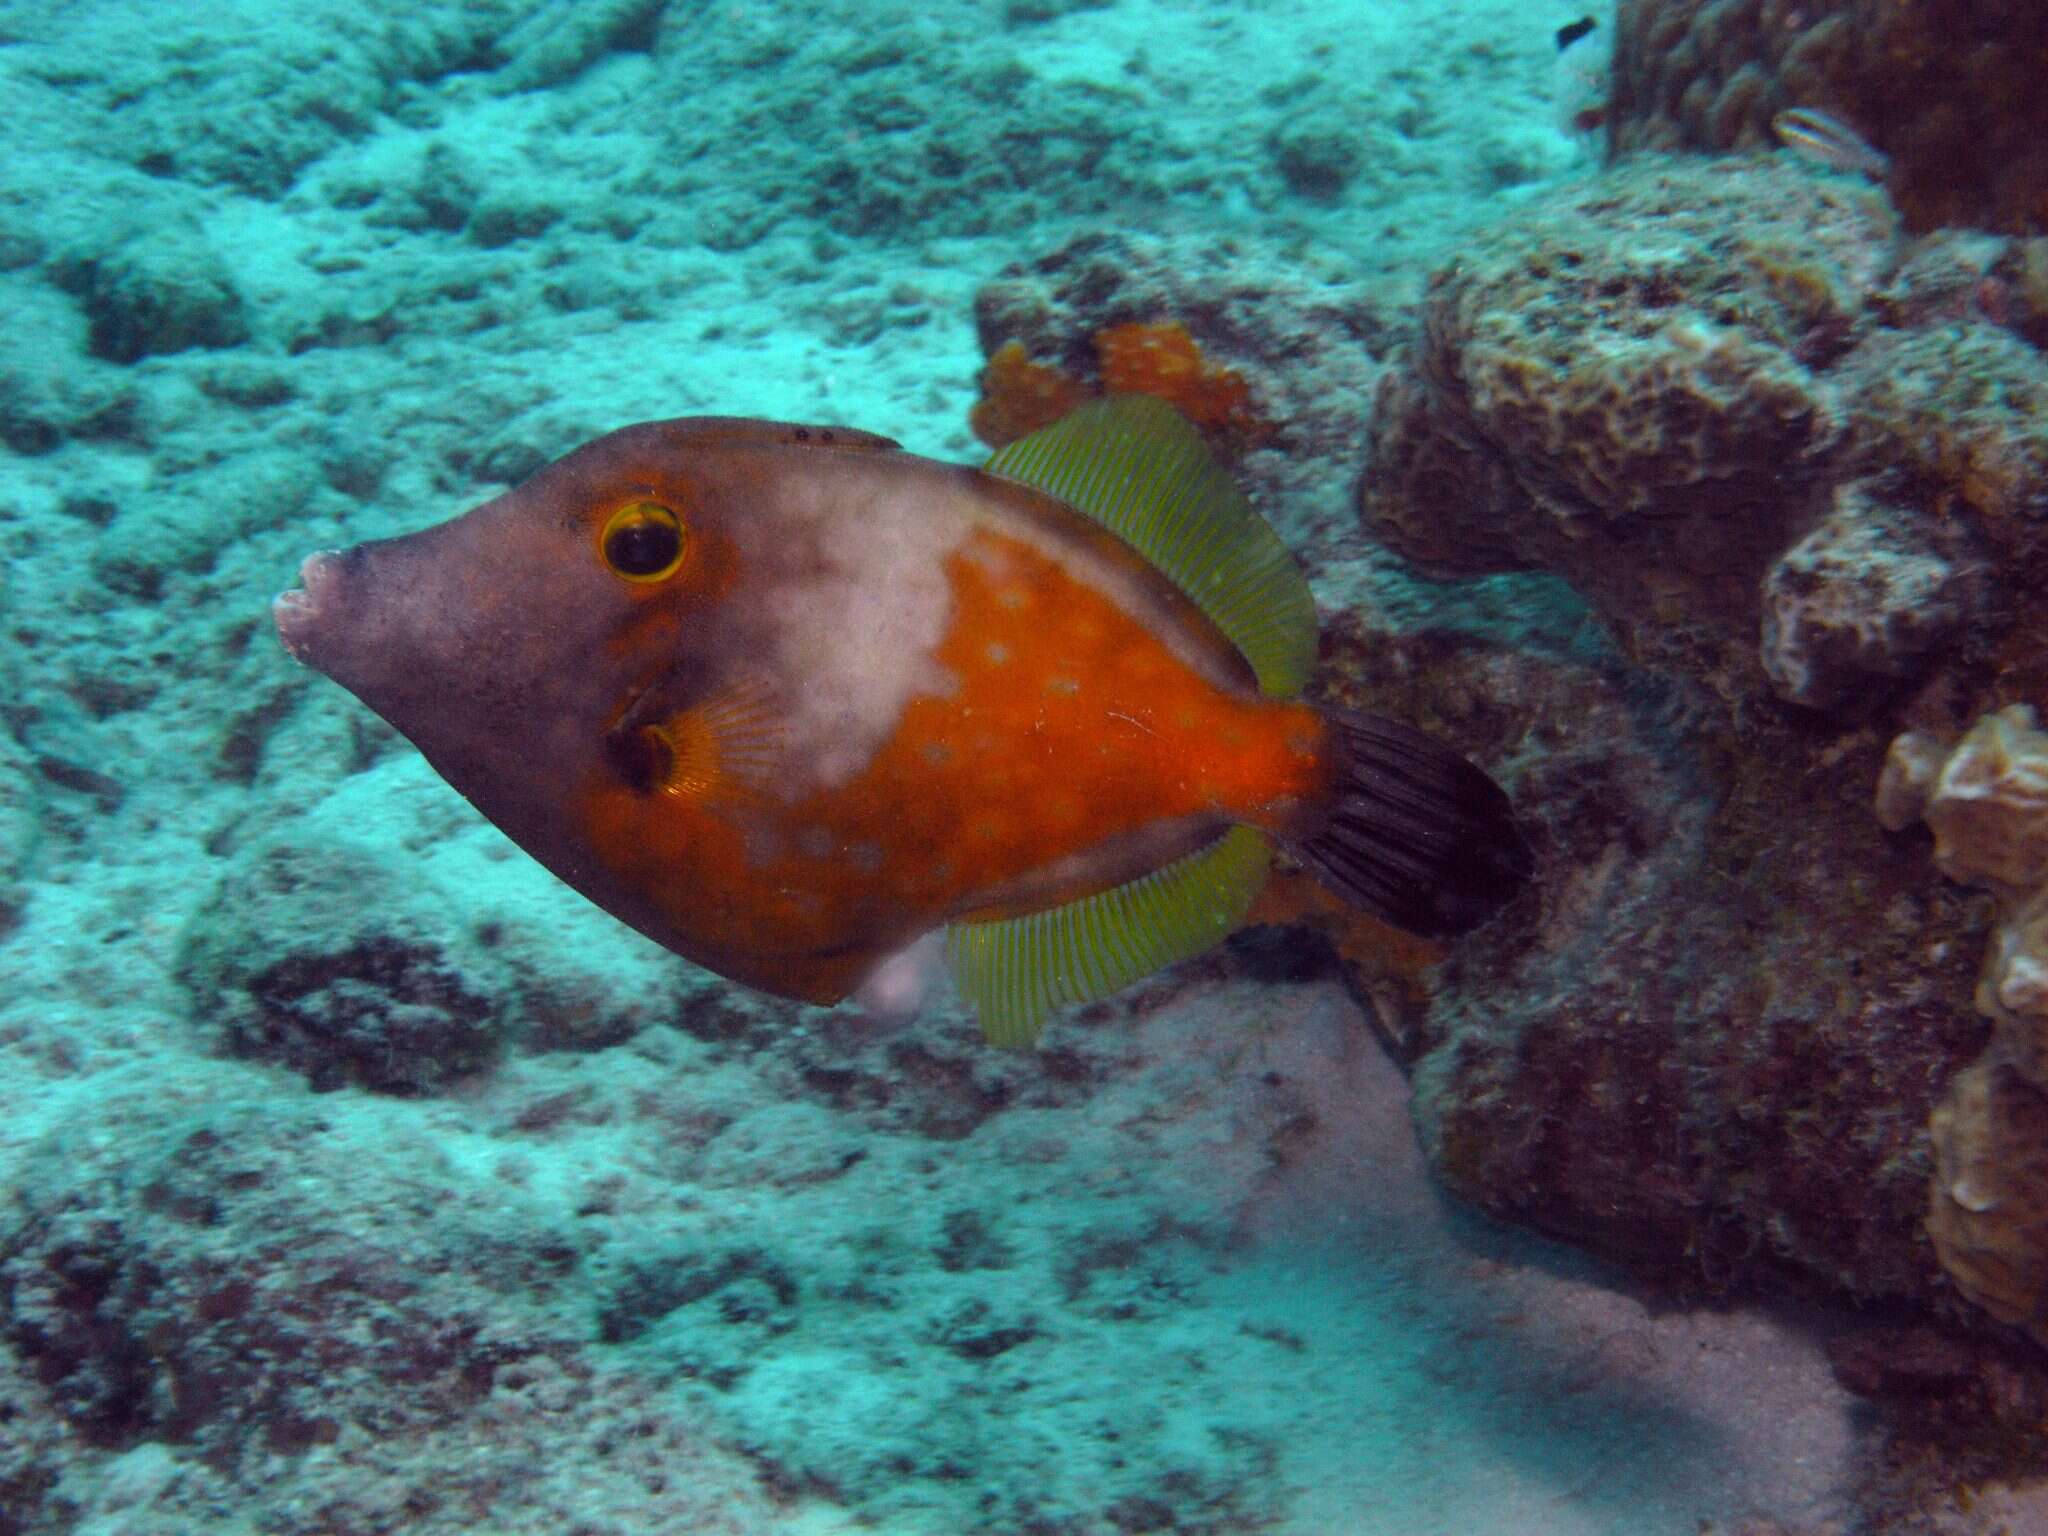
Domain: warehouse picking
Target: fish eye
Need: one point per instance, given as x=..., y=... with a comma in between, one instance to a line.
x=642, y=541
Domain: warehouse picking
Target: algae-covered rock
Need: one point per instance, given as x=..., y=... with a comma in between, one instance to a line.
x=322, y=957
x=1864, y=597
x=1643, y=416
x=321, y=951
x=159, y=287
x=21, y=800
x=1774, y=446
x=51, y=394
x=1708, y=1045
x=274, y=1288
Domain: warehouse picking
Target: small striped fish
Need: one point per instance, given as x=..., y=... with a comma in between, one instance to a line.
x=1818, y=136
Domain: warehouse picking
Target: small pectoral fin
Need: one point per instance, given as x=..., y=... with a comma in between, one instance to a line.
x=725, y=745
x=1014, y=970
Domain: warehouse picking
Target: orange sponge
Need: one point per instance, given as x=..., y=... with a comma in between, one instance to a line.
x=1018, y=396
x=1162, y=359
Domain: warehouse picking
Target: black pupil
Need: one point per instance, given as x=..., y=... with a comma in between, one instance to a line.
x=641, y=549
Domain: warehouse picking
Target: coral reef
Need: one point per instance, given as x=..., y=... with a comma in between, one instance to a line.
x=623, y=1251
x=1709, y=1045
x=1634, y=415
x=1950, y=91
x=1708, y=1048
x=1798, y=465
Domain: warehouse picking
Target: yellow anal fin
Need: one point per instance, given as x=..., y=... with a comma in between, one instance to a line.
x=725, y=747
x=1135, y=466
x=1015, y=970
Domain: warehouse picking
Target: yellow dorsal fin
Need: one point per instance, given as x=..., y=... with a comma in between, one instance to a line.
x=1016, y=969
x=1134, y=465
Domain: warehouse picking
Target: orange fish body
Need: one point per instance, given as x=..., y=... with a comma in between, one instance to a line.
x=787, y=699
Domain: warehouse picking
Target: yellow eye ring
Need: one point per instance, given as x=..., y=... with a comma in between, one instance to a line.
x=642, y=541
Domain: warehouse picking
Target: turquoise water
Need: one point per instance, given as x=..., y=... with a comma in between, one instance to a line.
x=360, y=1177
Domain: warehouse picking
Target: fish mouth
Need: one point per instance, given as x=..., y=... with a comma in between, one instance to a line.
x=300, y=612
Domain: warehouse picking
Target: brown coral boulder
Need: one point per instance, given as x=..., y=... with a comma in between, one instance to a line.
x=1950, y=89
x=1799, y=465
x=1775, y=445
x=1622, y=386
x=1712, y=1053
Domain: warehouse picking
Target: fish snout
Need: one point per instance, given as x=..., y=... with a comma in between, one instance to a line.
x=303, y=611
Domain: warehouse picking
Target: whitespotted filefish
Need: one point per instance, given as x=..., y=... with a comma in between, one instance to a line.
x=788, y=699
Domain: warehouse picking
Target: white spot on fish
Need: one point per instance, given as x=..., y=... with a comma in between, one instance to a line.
x=854, y=606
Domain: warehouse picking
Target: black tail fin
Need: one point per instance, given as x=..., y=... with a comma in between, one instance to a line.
x=1416, y=835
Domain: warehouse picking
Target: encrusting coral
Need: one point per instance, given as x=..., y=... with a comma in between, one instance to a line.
x=1986, y=801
